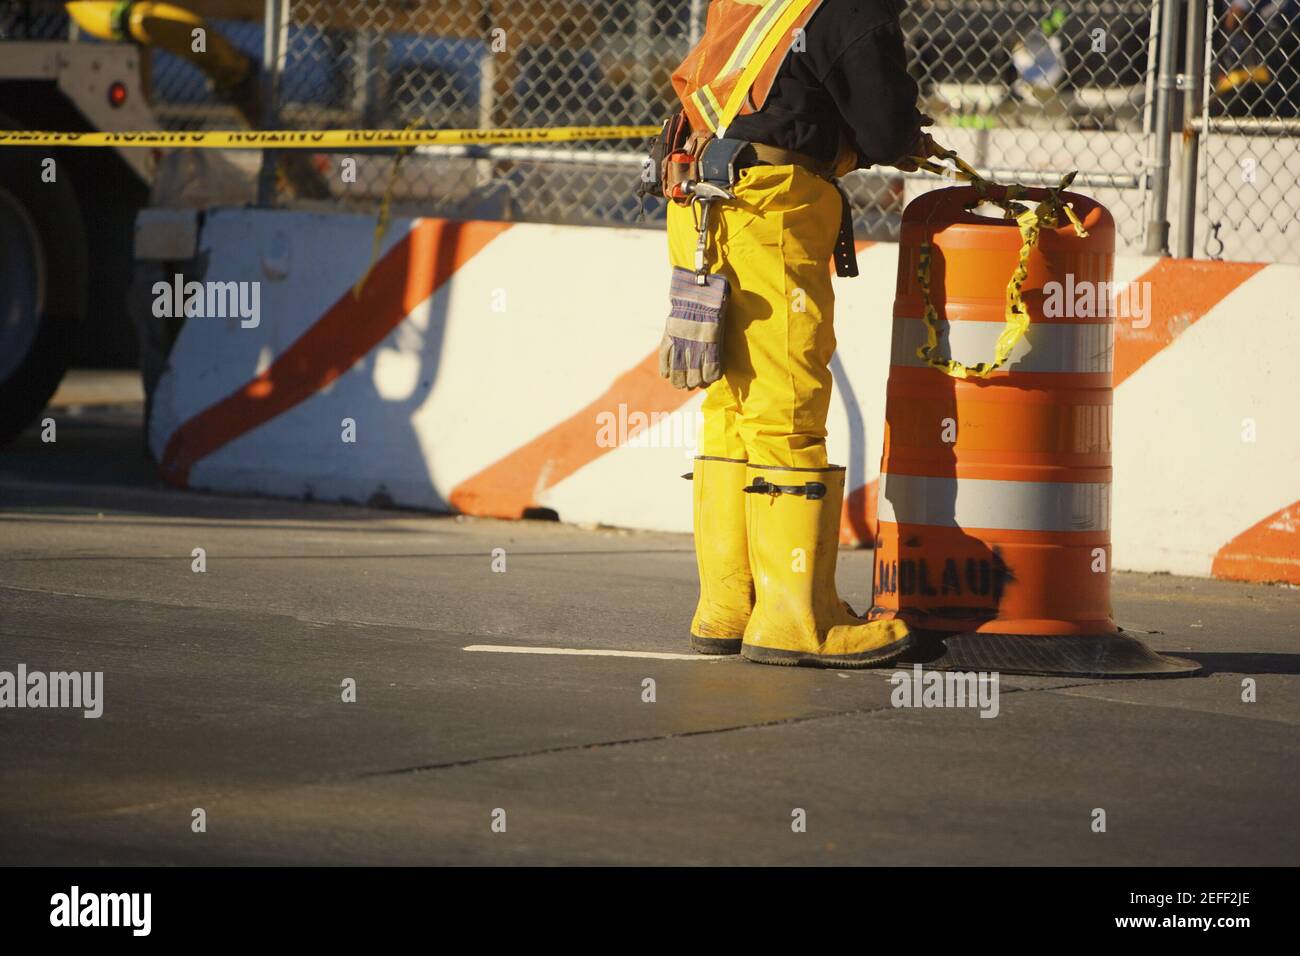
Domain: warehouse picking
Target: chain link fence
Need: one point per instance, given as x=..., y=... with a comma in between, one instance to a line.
x=1023, y=90
x=489, y=63
x=1248, y=120
x=1028, y=91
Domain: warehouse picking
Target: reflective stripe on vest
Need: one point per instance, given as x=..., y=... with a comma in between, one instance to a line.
x=744, y=43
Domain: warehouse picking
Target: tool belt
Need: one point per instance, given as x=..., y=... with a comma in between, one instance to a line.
x=765, y=155
x=685, y=167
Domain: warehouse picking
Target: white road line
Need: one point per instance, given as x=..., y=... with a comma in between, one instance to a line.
x=583, y=652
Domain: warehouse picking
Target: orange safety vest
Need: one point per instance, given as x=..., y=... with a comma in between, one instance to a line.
x=731, y=70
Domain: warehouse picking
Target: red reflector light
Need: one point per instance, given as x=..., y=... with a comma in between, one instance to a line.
x=116, y=94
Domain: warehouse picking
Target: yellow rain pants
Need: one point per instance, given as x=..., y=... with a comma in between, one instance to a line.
x=774, y=244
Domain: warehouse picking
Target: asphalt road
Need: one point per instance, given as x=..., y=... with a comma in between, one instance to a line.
x=223, y=692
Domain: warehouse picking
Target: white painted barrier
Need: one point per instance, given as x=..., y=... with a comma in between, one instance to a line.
x=510, y=370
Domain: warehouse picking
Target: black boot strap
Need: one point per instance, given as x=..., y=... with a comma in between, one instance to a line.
x=812, y=490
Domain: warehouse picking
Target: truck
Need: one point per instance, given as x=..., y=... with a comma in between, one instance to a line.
x=66, y=216
x=83, y=231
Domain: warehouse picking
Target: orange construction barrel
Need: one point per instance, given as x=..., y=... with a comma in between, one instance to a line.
x=993, y=534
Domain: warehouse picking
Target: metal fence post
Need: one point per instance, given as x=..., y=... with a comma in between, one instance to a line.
x=644, y=53
x=487, y=93
x=274, y=21
x=1157, y=240
x=1193, y=66
x=366, y=69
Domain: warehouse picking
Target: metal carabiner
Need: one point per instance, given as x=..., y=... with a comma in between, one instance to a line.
x=704, y=194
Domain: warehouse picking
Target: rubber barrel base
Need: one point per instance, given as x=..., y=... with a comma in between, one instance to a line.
x=1072, y=655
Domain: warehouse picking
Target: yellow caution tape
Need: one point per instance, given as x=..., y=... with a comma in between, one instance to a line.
x=324, y=139
x=1030, y=222
x=404, y=140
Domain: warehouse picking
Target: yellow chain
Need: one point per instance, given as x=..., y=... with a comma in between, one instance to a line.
x=1030, y=222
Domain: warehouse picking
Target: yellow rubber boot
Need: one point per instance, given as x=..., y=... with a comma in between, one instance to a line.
x=793, y=517
x=722, y=557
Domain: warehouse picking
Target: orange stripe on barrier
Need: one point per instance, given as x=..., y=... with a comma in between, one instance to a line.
x=1269, y=551
x=1182, y=292
x=425, y=258
x=510, y=486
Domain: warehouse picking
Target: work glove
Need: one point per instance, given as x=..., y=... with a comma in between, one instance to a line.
x=690, y=355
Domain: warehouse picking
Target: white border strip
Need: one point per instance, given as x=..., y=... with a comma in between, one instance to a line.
x=591, y=652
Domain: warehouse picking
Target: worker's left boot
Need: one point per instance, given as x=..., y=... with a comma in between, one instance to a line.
x=721, y=556
x=793, y=517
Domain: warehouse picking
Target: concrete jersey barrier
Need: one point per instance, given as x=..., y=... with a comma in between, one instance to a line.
x=510, y=370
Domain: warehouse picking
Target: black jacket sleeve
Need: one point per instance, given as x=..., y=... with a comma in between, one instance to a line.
x=875, y=95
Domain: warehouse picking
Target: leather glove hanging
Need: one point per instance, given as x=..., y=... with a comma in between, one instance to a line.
x=690, y=355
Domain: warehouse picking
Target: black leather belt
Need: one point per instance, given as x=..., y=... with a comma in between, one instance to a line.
x=763, y=154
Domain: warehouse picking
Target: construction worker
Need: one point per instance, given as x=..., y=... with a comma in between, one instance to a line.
x=828, y=92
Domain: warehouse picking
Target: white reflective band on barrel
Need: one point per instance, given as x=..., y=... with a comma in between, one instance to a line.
x=987, y=503
x=1046, y=347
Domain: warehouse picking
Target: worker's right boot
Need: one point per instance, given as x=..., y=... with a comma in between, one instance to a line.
x=798, y=617
x=721, y=556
